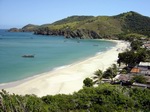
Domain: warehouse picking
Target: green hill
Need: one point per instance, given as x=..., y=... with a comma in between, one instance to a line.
x=27, y=28
x=98, y=27
x=95, y=27
x=83, y=27
x=72, y=19
x=135, y=23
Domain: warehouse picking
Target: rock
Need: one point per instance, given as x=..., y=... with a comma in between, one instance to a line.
x=14, y=30
x=27, y=28
x=80, y=33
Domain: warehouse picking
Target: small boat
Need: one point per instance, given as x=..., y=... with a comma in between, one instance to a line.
x=28, y=56
x=95, y=45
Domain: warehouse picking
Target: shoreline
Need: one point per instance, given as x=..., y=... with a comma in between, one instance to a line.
x=68, y=79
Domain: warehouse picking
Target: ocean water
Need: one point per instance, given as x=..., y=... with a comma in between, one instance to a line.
x=51, y=52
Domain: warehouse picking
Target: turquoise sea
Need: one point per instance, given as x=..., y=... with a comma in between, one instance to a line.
x=51, y=52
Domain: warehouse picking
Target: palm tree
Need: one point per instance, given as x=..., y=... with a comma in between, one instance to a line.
x=108, y=73
x=98, y=75
x=111, y=72
x=114, y=70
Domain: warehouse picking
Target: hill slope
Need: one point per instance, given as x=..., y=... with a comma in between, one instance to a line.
x=95, y=27
x=90, y=27
x=98, y=27
x=27, y=28
x=134, y=23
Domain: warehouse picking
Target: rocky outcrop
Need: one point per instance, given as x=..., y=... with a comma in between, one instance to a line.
x=14, y=30
x=79, y=33
x=27, y=28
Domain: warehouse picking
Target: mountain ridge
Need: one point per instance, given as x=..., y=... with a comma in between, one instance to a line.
x=97, y=27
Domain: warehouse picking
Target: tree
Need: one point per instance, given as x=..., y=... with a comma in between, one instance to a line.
x=124, y=71
x=88, y=82
x=110, y=72
x=139, y=79
x=98, y=75
x=115, y=69
x=141, y=55
x=135, y=45
x=128, y=58
x=103, y=98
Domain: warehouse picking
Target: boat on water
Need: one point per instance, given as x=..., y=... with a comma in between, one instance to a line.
x=95, y=45
x=28, y=56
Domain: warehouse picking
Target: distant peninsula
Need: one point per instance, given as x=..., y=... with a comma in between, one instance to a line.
x=108, y=27
x=27, y=28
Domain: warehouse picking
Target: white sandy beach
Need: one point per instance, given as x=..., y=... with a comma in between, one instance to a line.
x=68, y=79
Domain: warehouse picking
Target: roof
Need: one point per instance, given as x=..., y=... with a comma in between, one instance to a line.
x=135, y=70
x=146, y=45
x=142, y=68
x=147, y=79
x=146, y=72
x=144, y=64
x=123, y=77
x=141, y=85
x=146, y=42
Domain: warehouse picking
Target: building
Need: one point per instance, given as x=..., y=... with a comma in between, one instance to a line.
x=144, y=64
x=122, y=79
x=144, y=68
x=141, y=85
x=135, y=70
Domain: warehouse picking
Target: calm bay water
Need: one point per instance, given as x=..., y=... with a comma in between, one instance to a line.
x=50, y=52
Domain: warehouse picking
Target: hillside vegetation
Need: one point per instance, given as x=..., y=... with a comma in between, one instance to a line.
x=135, y=23
x=104, y=98
x=27, y=28
x=98, y=27
x=121, y=25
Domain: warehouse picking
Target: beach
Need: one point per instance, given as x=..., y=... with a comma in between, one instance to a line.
x=68, y=79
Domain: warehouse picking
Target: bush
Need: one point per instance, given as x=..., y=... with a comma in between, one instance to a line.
x=88, y=82
x=139, y=79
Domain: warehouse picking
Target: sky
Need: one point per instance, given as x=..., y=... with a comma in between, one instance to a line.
x=18, y=13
